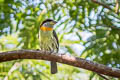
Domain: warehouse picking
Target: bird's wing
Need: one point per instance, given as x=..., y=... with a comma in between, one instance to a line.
x=55, y=35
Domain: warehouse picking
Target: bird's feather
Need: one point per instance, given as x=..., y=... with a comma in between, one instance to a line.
x=55, y=35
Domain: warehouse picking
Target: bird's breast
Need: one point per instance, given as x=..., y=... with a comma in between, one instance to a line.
x=48, y=41
x=45, y=35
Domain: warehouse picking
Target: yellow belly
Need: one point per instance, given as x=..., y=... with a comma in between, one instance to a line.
x=47, y=41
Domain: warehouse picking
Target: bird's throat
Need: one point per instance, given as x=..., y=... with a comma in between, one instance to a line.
x=44, y=28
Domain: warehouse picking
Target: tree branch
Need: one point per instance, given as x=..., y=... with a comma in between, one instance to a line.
x=70, y=60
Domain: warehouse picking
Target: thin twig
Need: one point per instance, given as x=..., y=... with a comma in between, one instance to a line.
x=102, y=76
x=117, y=7
x=104, y=5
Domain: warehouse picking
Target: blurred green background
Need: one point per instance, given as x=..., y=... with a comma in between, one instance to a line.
x=85, y=29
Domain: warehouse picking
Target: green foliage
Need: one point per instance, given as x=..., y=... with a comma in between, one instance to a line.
x=80, y=22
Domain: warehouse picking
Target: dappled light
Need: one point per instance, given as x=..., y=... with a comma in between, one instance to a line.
x=88, y=29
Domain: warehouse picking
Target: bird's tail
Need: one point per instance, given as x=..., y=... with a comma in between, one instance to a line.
x=53, y=67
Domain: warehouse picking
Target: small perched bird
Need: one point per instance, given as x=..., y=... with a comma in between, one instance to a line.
x=48, y=40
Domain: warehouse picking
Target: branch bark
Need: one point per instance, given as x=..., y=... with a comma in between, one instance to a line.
x=70, y=60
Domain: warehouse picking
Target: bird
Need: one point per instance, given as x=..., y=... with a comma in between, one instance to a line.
x=48, y=40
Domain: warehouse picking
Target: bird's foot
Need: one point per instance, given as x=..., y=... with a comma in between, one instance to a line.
x=37, y=49
x=51, y=52
x=62, y=53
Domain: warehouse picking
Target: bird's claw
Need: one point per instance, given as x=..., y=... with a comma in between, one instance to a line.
x=37, y=49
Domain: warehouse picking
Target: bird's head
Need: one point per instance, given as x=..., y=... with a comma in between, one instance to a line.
x=47, y=25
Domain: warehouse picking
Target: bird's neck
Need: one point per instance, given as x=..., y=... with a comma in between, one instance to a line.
x=44, y=28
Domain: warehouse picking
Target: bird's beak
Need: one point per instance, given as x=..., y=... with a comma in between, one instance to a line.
x=54, y=22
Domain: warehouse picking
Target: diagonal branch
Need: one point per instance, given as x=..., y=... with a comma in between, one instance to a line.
x=70, y=60
x=102, y=4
